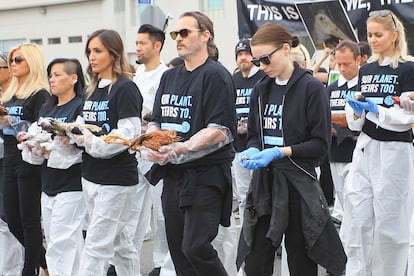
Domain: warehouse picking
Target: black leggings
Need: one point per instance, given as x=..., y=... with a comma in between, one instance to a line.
x=22, y=189
x=260, y=260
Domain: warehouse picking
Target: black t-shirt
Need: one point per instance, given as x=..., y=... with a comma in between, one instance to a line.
x=105, y=110
x=272, y=116
x=244, y=90
x=380, y=83
x=343, y=143
x=55, y=181
x=188, y=101
x=21, y=110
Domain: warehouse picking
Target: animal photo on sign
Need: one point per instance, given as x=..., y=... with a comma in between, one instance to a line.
x=326, y=22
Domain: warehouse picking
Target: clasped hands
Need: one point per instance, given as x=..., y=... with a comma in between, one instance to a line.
x=360, y=106
x=253, y=159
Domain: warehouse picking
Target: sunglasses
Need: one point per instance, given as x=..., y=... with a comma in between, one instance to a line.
x=265, y=59
x=183, y=33
x=384, y=13
x=17, y=59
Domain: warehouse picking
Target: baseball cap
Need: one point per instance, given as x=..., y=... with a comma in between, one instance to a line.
x=243, y=45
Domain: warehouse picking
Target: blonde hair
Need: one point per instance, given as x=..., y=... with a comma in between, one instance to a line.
x=120, y=66
x=300, y=54
x=393, y=24
x=37, y=78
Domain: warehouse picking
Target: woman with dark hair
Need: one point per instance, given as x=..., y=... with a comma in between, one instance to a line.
x=22, y=184
x=289, y=131
x=378, y=199
x=109, y=171
x=63, y=205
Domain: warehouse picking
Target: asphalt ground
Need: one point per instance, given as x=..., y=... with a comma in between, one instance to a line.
x=147, y=264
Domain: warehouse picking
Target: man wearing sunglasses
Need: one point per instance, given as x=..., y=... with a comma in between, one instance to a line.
x=195, y=99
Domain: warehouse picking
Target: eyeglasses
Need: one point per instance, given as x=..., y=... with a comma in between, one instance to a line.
x=384, y=13
x=183, y=33
x=265, y=59
x=17, y=59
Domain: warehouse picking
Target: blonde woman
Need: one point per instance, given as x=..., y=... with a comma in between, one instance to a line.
x=377, y=201
x=22, y=99
x=299, y=53
x=12, y=262
x=109, y=172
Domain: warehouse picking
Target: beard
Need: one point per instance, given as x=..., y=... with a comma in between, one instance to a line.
x=245, y=66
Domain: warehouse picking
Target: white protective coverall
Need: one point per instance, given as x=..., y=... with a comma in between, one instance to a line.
x=378, y=198
x=11, y=256
x=148, y=202
x=109, y=208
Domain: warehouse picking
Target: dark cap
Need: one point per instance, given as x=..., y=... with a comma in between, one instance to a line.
x=243, y=45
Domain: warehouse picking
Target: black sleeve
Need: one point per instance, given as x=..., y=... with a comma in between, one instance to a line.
x=33, y=105
x=129, y=100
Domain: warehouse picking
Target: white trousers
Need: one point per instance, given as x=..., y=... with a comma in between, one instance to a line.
x=242, y=179
x=11, y=252
x=339, y=173
x=147, y=205
x=377, y=208
x=62, y=219
x=107, y=237
x=225, y=243
x=410, y=271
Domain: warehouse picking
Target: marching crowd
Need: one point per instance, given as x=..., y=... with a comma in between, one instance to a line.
x=73, y=204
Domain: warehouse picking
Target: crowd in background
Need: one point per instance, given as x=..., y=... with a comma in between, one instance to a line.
x=319, y=160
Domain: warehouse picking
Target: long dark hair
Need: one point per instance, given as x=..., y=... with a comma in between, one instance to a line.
x=120, y=66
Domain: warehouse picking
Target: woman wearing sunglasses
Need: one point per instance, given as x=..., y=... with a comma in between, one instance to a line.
x=288, y=132
x=23, y=98
x=378, y=195
x=12, y=262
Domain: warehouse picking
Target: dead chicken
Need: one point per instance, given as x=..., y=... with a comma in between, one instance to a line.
x=339, y=120
x=58, y=128
x=153, y=140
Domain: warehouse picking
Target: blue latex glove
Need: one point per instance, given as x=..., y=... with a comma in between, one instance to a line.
x=357, y=106
x=263, y=158
x=246, y=154
x=371, y=106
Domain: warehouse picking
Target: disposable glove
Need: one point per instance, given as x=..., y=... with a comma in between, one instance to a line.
x=406, y=103
x=263, y=158
x=76, y=139
x=371, y=106
x=246, y=154
x=357, y=106
x=164, y=155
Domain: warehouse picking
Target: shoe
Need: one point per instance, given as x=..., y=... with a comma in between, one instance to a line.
x=155, y=272
x=111, y=270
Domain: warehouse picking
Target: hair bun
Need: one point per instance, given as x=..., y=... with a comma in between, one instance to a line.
x=295, y=41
